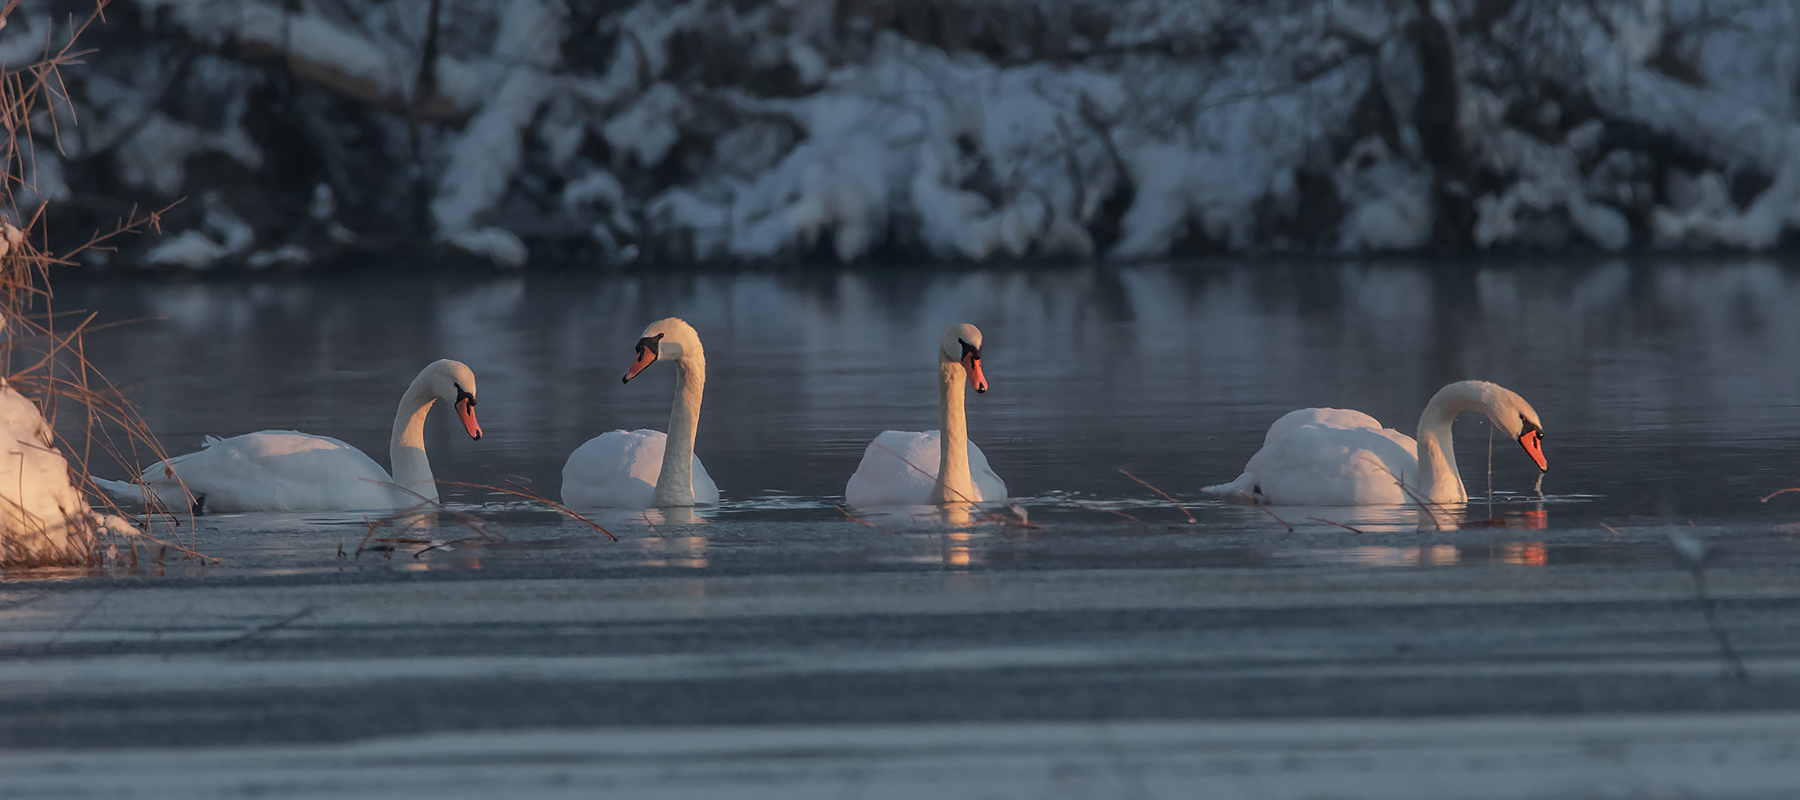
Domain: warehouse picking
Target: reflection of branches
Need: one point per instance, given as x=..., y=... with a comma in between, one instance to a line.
x=860, y=521
x=1339, y=524
x=470, y=521
x=516, y=490
x=1423, y=504
x=1115, y=512
x=1694, y=553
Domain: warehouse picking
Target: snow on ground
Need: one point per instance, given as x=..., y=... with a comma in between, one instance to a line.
x=977, y=130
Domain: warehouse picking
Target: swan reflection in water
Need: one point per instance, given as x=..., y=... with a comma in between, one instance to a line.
x=673, y=551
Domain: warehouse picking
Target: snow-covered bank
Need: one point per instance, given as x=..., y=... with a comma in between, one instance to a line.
x=706, y=130
x=43, y=518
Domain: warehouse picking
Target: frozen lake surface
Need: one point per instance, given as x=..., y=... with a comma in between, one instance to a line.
x=1560, y=647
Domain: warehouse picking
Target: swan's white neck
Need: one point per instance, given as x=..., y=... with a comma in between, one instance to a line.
x=406, y=446
x=1438, y=479
x=675, y=484
x=954, y=483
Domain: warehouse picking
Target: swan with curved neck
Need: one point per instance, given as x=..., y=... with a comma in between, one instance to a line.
x=645, y=468
x=1336, y=457
x=292, y=471
x=896, y=467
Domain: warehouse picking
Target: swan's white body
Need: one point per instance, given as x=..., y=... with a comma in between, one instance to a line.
x=648, y=469
x=293, y=471
x=1337, y=457
x=902, y=468
x=619, y=470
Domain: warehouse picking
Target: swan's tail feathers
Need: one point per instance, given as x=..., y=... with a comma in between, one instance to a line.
x=122, y=490
x=1241, y=490
x=1229, y=488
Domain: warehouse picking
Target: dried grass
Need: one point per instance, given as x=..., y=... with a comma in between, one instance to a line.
x=483, y=530
x=515, y=489
x=1165, y=495
x=411, y=517
x=40, y=357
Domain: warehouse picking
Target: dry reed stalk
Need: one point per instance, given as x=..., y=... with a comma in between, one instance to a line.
x=59, y=369
x=1772, y=495
x=386, y=543
x=1265, y=510
x=518, y=491
x=1172, y=501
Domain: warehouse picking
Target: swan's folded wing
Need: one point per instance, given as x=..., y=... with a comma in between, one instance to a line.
x=617, y=469
x=899, y=468
x=275, y=471
x=987, y=482
x=1325, y=465
x=1347, y=419
x=706, y=493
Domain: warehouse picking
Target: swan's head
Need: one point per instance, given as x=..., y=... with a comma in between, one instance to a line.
x=962, y=344
x=454, y=382
x=665, y=340
x=1516, y=417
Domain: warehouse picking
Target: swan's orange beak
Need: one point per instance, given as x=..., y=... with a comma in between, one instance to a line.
x=1533, y=442
x=972, y=363
x=645, y=357
x=465, y=411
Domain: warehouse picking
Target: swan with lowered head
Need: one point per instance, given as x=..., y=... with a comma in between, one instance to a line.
x=293, y=471
x=1337, y=457
x=641, y=469
x=897, y=468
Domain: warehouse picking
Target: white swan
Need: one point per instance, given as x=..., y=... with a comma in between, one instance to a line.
x=635, y=469
x=1336, y=457
x=292, y=471
x=953, y=468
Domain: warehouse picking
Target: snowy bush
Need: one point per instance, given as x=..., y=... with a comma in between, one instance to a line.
x=44, y=517
x=947, y=129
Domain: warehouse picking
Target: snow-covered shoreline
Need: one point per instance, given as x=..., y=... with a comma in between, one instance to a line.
x=971, y=130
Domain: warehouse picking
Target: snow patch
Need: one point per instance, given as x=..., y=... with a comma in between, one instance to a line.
x=484, y=159
x=649, y=129
x=43, y=518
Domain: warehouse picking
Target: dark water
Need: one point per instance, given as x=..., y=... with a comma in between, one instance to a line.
x=1667, y=381
x=1666, y=388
